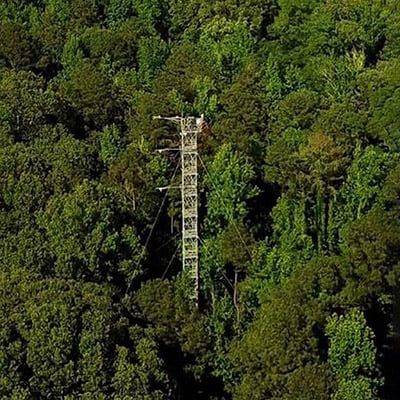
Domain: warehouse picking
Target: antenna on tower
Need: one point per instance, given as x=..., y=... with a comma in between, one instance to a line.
x=189, y=130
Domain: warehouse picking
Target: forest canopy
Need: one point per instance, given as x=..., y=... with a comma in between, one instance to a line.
x=299, y=200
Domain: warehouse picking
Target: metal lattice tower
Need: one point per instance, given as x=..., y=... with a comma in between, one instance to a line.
x=189, y=130
x=190, y=127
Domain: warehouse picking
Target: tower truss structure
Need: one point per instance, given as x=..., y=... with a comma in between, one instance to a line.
x=190, y=127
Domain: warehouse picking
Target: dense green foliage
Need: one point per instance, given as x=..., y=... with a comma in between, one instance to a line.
x=300, y=200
